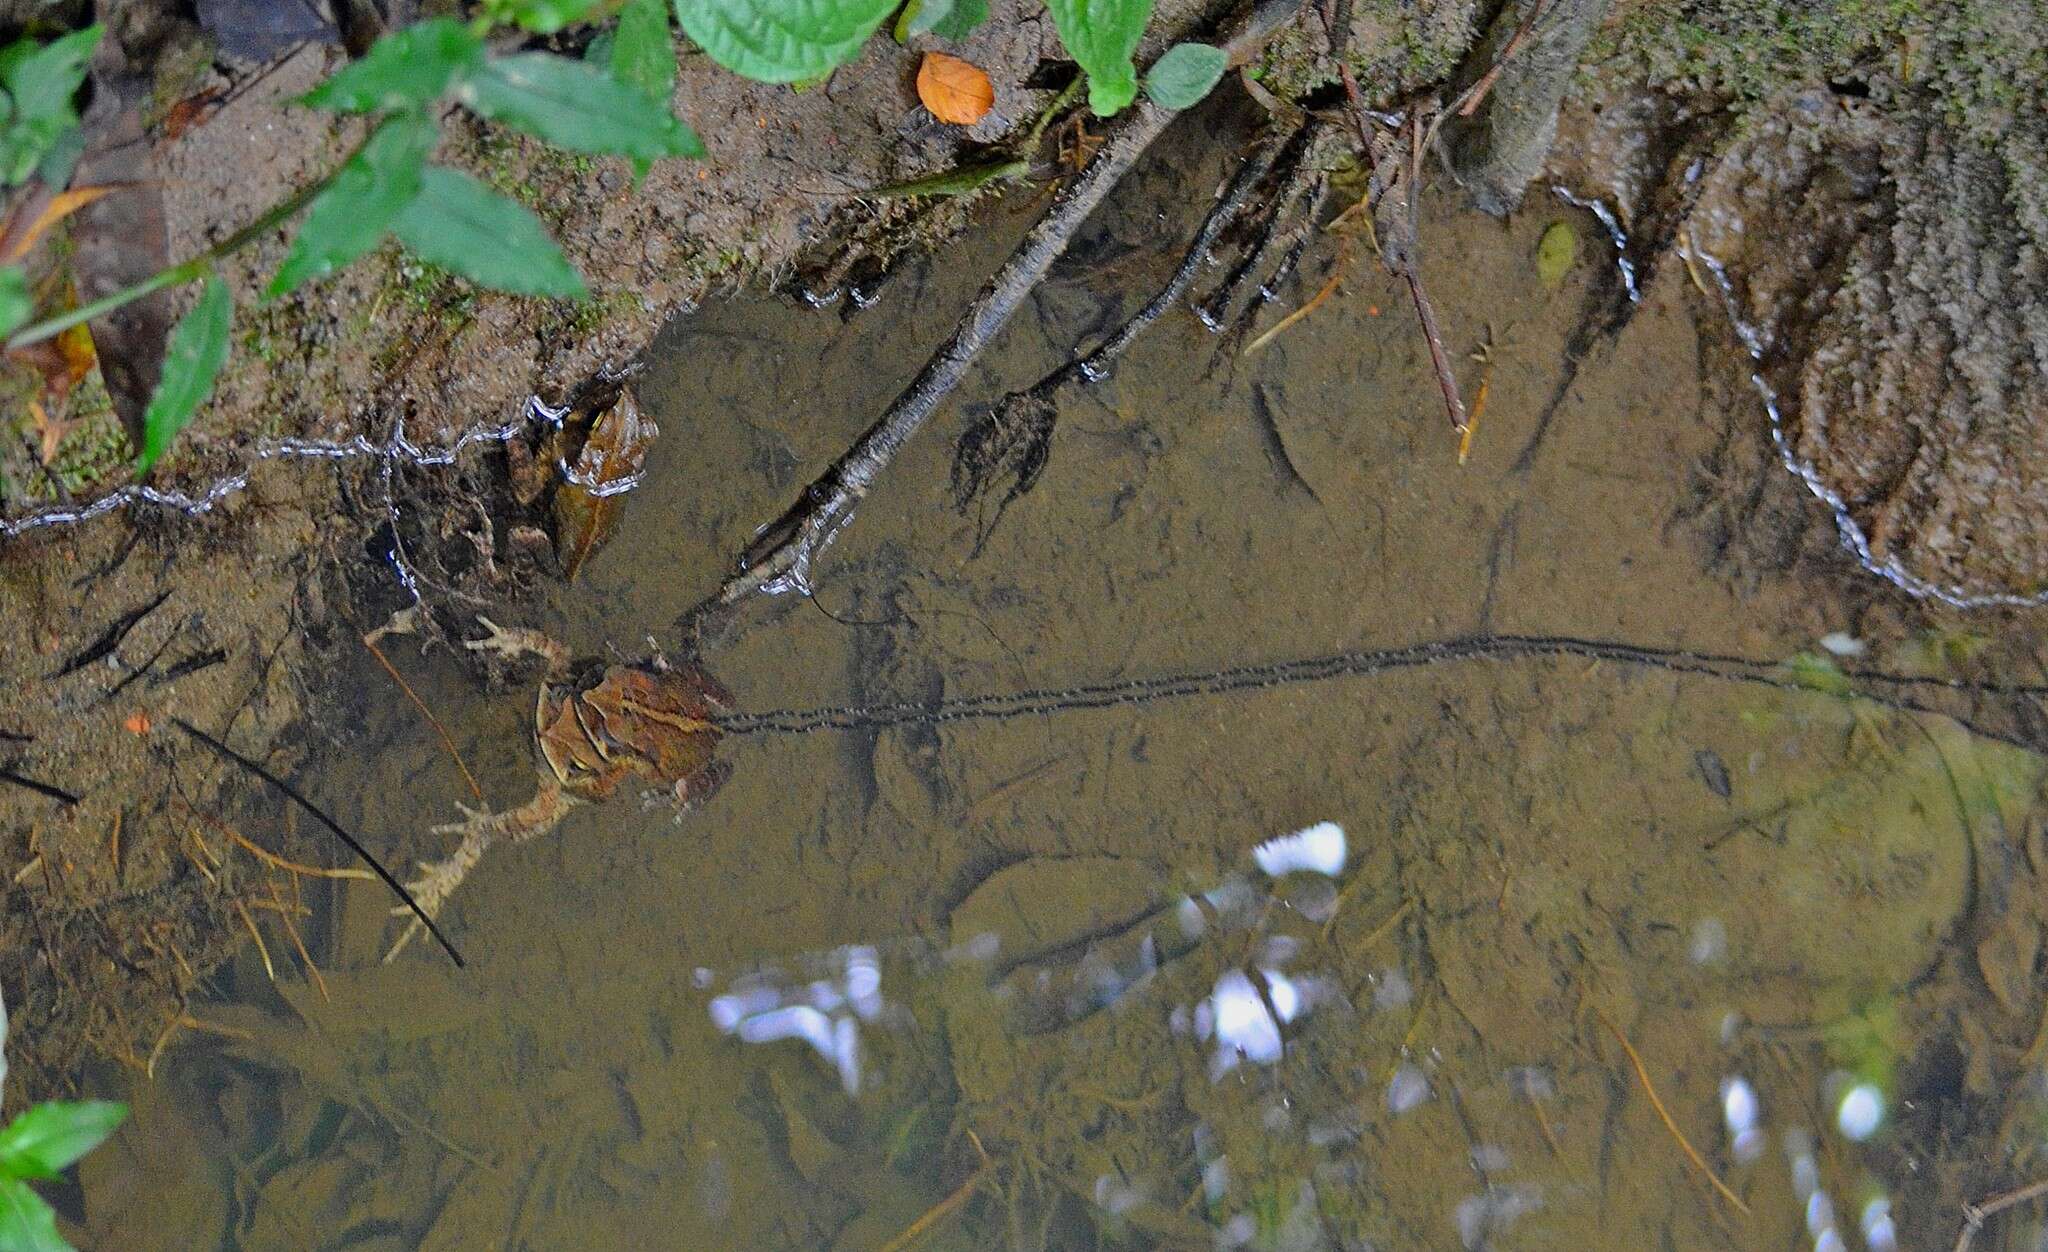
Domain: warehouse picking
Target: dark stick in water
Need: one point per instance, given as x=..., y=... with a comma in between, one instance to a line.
x=780, y=559
x=354, y=844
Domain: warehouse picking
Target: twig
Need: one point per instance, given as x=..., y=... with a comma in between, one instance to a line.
x=1974, y=1214
x=1465, y=438
x=262, y=949
x=1643, y=1077
x=275, y=861
x=781, y=559
x=936, y=1212
x=370, y=642
x=355, y=845
x=1475, y=95
x=291, y=928
x=1322, y=294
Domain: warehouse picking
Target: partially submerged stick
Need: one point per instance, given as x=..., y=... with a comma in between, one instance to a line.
x=781, y=557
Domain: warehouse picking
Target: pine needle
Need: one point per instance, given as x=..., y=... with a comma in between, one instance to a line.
x=1643, y=1077
x=1329, y=286
x=435, y=722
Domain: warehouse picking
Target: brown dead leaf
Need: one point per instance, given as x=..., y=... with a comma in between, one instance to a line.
x=586, y=512
x=191, y=112
x=50, y=431
x=37, y=213
x=954, y=90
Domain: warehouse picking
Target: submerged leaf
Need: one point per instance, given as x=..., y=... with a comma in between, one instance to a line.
x=1556, y=252
x=461, y=225
x=782, y=41
x=198, y=348
x=587, y=509
x=954, y=90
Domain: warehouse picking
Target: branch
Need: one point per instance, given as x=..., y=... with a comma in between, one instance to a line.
x=781, y=558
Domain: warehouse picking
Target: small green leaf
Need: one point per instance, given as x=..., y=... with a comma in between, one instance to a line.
x=642, y=54
x=960, y=23
x=368, y=193
x=542, y=17
x=919, y=16
x=464, y=226
x=407, y=68
x=576, y=106
x=15, y=301
x=43, y=82
x=27, y=1224
x=197, y=349
x=782, y=41
x=1556, y=253
x=49, y=1136
x=1187, y=72
x=1102, y=35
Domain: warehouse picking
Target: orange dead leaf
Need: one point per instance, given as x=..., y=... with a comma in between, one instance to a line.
x=191, y=112
x=137, y=723
x=954, y=90
x=50, y=431
x=20, y=237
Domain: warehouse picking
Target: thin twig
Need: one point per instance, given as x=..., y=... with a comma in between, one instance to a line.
x=427, y=713
x=937, y=1212
x=275, y=861
x=1649, y=1089
x=1974, y=1214
x=355, y=845
x=262, y=949
x=319, y=982
x=781, y=559
x=1328, y=288
x=1475, y=95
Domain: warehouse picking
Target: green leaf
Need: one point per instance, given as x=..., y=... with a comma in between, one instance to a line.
x=542, y=17
x=1820, y=673
x=26, y=1223
x=781, y=41
x=1187, y=72
x=576, y=106
x=642, y=54
x=43, y=82
x=919, y=16
x=1102, y=35
x=197, y=349
x=49, y=1136
x=15, y=301
x=368, y=193
x=406, y=68
x=1556, y=253
x=464, y=226
x=960, y=23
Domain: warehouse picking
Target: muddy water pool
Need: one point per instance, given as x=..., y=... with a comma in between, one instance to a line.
x=1036, y=961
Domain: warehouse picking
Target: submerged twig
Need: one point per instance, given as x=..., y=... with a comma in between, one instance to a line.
x=447, y=742
x=1649, y=1089
x=354, y=845
x=782, y=555
x=1974, y=1214
x=1016, y=435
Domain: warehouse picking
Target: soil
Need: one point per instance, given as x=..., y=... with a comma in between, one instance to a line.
x=1908, y=401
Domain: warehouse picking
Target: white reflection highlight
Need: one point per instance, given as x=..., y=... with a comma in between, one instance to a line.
x=1318, y=849
x=825, y=1012
x=1244, y=1028
x=1861, y=1112
x=1879, y=1232
x=1408, y=1088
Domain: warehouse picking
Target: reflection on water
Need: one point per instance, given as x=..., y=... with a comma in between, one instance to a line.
x=1581, y=945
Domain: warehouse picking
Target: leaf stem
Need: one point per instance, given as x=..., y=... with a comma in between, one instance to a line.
x=174, y=275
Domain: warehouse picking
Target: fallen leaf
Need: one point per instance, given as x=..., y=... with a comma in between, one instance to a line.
x=137, y=723
x=954, y=90
x=191, y=113
x=40, y=213
x=50, y=431
x=587, y=507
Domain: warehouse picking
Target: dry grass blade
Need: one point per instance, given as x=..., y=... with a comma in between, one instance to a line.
x=1649, y=1089
x=1328, y=288
x=262, y=949
x=435, y=722
x=275, y=861
x=312, y=970
x=937, y=1212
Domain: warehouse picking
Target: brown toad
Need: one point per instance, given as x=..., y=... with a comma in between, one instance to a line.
x=597, y=725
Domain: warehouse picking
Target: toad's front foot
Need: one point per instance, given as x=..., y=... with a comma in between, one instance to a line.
x=513, y=642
